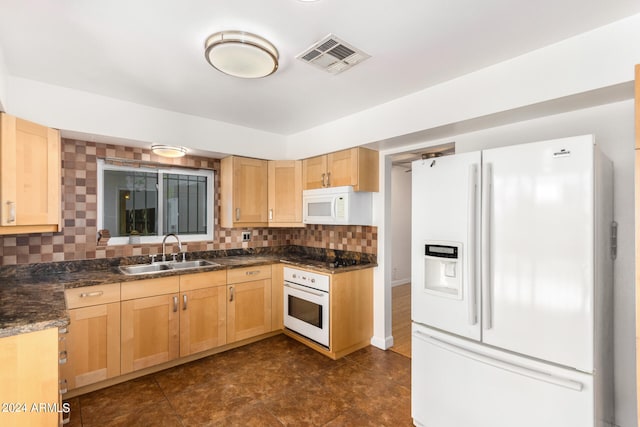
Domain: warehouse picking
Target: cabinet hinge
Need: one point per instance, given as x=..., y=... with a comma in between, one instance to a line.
x=614, y=240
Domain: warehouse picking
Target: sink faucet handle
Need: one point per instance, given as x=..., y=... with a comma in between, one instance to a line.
x=153, y=258
x=174, y=257
x=183, y=256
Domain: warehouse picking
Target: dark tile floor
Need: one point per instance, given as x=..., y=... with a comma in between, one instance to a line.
x=274, y=382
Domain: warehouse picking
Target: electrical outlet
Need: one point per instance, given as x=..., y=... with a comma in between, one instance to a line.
x=246, y=236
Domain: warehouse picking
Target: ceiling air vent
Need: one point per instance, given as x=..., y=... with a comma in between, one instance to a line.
x=332, y=55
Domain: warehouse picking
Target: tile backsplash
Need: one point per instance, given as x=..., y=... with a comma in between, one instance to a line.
x=77, y=240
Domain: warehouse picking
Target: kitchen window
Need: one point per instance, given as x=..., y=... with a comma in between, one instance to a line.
x=148, y=203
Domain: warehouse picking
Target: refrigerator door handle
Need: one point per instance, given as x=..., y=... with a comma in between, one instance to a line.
x=486, y=247
x=471, y=242
x=501, y=364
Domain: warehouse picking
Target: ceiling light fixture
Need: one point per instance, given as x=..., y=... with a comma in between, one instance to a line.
x=241, y=54
x=168, y=150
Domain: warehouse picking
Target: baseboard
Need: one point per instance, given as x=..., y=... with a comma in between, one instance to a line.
x=382, y=343
x=399, y=282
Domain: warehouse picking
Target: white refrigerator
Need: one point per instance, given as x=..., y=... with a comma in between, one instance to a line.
x=512, y=287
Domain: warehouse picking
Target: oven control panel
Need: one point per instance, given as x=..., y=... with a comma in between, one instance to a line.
x=307, y=278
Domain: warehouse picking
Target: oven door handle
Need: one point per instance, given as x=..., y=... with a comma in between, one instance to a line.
x=303, y=289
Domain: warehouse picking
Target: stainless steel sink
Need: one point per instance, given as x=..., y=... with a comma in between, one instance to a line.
x=159, y=267
x=192, y=264
x=143, y=268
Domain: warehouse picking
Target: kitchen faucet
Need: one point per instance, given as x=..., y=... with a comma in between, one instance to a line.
x=164, y=256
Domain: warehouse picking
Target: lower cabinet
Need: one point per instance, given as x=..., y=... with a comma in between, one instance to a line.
x=203, y=312
x=120, y=328
x=149, y=331
x=150, y=323
x=93, y=338
x=248, y=302
x=29, y=371
x=277, y=297
x=188, y=316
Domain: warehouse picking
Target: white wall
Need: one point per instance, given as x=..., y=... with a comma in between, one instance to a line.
x=613, y=127
x=3, y=82
x=594, y=60
x=91, y=114
x=400, y=225
x=582, y=64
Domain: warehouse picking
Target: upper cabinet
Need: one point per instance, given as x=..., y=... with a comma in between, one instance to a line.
x=357, y=167
x=261, y=193
x=29, y=177
x=243, y=192
x=285, y=193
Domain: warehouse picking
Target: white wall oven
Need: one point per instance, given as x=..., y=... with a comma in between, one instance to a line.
x=306, y=304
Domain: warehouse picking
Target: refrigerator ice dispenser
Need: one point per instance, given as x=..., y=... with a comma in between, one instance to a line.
x=443, y=269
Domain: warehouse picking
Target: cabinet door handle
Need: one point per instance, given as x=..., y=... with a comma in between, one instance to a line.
x=328, y=179
x=323, y=175
x=12, y=211
x=271, y=214
x=175, y=304
x=62, y=357
x=184, y=301
x=62, y=387
x=91, y=294
x=231, y=294
x=237, y=214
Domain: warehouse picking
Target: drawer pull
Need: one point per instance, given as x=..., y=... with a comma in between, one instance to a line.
x=252, y=273
x=91, y=294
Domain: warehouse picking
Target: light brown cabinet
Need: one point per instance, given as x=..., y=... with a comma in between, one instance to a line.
x=29, y=177
x=203, y=311
x=243, y=192
x=93, y=338
x=248, y=302
x=149, y=323
x=285, y=193
x=29, y=372
x=277, y=295
x=357, y=167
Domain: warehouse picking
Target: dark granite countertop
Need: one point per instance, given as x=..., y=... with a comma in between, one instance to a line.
x=32, y=296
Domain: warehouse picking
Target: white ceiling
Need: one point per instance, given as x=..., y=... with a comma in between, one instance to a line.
x=151, y=52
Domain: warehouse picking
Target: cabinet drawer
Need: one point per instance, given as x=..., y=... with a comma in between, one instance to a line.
x=248, y=274
x=92, y=295
x=207, y=279
x=150, y=287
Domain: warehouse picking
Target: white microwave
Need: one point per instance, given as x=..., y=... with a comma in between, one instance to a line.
x=336, y=205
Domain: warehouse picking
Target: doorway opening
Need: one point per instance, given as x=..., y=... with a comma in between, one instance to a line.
x=400, y=203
